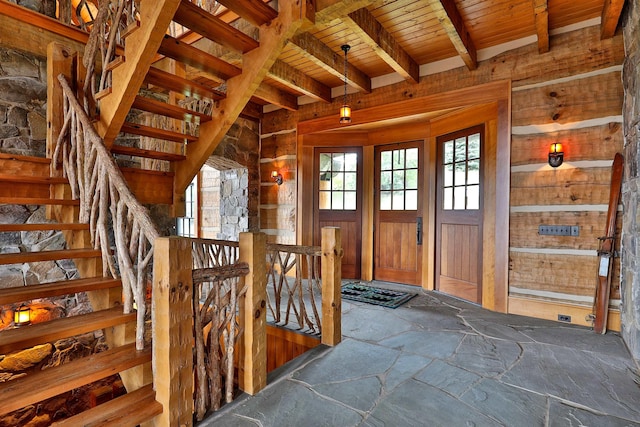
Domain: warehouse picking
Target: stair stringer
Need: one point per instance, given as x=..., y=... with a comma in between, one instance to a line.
x=293, y=15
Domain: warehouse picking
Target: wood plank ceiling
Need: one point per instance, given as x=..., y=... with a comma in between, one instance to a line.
x=392, y=36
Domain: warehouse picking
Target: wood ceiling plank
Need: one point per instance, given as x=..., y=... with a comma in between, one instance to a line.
x=213, y=28
x=451, y=20
x=384, y=44
x=174, y=48
x=322, y=56
x=255, y=11
x=541, y=12
x=610, y=17
x=291, y=77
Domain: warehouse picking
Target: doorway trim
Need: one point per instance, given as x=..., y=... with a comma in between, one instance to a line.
x=423, y=118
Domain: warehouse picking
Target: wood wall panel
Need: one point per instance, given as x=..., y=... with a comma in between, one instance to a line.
x=277, y=145
x=284, y=345
x=592, y=143
x=570, y=101
x=566, y=186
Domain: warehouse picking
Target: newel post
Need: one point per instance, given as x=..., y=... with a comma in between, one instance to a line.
x=252, y=375
x=172, y=318
x=331, y=284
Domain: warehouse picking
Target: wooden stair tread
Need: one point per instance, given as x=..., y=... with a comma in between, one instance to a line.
x=33, y=179
x=168, y=110
x=37, y=201
x=22, y=257
x=132, y=408
x=34, y=159
x=213, y=28
x=181, y=85
x=150, y=154
x=187, y=54
x=24, y=391
x=152, y=132
x=44, y=226
x=256, y=12
x=64, y=287
x=24, y=337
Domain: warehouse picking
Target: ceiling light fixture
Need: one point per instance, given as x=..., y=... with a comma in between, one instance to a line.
x=345, y=111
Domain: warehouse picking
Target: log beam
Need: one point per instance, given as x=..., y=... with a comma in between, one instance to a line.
x=324, y=57
x=331, y=286
x=451, y=20
x=610, y=16
x=368, y=29
x=541, y=13
x=298, y=81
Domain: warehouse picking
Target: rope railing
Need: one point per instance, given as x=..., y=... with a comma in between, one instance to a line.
x=106, y=202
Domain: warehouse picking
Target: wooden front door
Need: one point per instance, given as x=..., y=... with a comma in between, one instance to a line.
x=459, y=204
x=338, y=201
x=398, y=213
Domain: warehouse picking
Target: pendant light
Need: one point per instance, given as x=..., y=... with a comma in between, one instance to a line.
x=345, y=111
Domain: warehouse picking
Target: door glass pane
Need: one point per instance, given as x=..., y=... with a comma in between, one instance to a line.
x=350, y=200
x=447, y=202
x=473, y=197
x=398, y=159
x=448, y=175
x=385, y=180
x=411, y=178
x=412, y=158
x=385, y=160
x=350, y=162
x=473, y=174
x=461, y=149
x=448, y=152
x=474, y=146
x=385, y=200
x=459, y=198
x=411, y=203
x=398, y=200
x=398, y=180
x=338, y=173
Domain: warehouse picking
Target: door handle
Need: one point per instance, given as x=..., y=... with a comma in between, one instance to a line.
x=419, y=230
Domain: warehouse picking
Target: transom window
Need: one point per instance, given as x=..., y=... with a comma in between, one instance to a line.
x=338, y=181
x=399, y=179
x=461, y=163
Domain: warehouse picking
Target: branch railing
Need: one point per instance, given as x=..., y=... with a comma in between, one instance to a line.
x=107, y=202
x=222, y=308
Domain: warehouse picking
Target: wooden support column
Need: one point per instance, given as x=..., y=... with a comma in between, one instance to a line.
x=331, y=284
x=172, y=318
x=252, y=376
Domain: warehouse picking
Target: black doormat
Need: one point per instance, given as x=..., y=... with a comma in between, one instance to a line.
x=356, y=291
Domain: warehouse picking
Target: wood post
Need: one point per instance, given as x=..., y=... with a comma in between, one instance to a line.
x=252, y=372
x=172, y=317
x=331, y=284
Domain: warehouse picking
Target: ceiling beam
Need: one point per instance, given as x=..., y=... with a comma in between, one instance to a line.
x=451, y=20
x=329, y=10
x=610, y=16
x=541, y=13
x=275, y=96
x=255, y=11
x=322, y=56
x=297, y=80
x=374, y=35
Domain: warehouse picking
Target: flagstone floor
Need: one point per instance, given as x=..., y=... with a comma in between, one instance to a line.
x=438, y=361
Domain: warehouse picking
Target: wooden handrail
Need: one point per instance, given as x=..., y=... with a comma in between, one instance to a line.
x=104, y=195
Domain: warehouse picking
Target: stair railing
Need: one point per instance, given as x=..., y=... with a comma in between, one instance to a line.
x=107, y=202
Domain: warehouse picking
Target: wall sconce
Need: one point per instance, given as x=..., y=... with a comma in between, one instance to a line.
x=556, y=155
x=22, y=316
x=276, y=177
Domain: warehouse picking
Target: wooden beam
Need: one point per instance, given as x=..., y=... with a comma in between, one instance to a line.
x=277, y=97
x=322, y=56
x=451, y=20
x=329, y=10
x=541, y=13
x=187, y=54
x=331, y=284
x=255, y=11
x=240, y=89
x=180, y=85
x=213, y=28
x=610, y=16
x=367, y=28
x=141, y=47
x=297, y=80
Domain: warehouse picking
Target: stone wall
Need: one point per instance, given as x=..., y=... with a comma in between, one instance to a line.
x=630, y=267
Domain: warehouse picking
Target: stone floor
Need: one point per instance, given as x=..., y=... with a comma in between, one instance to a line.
x=437, y=361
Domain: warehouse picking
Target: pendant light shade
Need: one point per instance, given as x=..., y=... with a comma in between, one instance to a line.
x=345, y=110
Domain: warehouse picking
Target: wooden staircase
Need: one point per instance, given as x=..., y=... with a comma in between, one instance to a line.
x=32, y=181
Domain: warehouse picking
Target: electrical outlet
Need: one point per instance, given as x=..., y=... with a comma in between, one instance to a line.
x=575, y=230
x=564, y=318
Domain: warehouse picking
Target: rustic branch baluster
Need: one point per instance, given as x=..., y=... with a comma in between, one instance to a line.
x=96, y=180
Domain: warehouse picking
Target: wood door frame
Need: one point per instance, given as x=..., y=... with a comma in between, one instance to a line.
x=489, y=104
